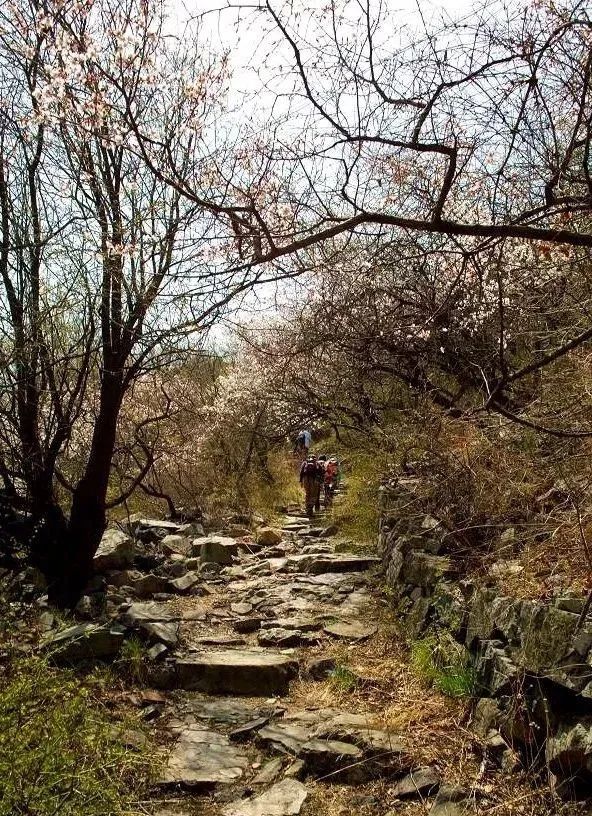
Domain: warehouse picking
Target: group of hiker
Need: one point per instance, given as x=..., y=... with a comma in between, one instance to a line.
x=316, y=473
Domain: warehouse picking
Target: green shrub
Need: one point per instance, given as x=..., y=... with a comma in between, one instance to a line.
x=132, y=660
x=60, y=755
x=442, y=662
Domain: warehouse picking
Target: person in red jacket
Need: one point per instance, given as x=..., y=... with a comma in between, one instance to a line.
x=330, y=480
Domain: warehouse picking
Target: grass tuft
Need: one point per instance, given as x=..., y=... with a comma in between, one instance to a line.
x=442, y=662
x=343, y=678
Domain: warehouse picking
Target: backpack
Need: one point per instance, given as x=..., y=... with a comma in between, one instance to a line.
x=310, y=469
x=330, y=471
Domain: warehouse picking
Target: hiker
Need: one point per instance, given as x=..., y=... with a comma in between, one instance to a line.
x=310, y=479
x=322, y=462
x=330, y=480
x=303, y=442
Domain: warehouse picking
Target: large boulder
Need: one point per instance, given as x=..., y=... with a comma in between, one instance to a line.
x=115, y=552
x=87, y=641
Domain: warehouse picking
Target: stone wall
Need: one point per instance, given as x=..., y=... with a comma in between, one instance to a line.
x=532, y=659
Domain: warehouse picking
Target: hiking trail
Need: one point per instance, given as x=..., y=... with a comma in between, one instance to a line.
x=236, y=740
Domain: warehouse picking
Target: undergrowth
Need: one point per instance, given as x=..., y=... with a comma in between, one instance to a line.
x=442, y=662
x=60, y=754
x=357, y=510
x=343, y=678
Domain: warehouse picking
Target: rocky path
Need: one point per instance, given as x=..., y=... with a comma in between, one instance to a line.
x=245, y=639
x=236, y=741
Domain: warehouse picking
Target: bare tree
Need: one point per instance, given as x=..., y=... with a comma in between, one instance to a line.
x=453, y=139
x=108, y=271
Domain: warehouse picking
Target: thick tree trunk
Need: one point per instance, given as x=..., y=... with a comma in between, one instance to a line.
x=88, y=512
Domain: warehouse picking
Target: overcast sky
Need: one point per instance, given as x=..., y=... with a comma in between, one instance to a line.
x=244, y=36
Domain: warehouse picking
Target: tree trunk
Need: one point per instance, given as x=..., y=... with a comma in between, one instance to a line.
x=88, y=513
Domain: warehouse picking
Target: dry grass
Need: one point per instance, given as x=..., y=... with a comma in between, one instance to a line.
x=434, y=728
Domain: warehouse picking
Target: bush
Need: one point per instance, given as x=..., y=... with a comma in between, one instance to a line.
x=59, y=753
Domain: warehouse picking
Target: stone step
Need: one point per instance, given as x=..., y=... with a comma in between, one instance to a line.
x=340, y=563
x=202, y=759
x=229, y=671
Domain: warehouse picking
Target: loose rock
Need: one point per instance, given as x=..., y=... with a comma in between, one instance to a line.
x=86, y=641
x=218, y=550
x=350, y=630
x=283, y=799
x=115, y=552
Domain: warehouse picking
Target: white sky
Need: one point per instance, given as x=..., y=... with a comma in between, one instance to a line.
x=245, y=43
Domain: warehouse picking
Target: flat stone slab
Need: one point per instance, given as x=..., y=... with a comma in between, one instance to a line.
x=157, y=524
x=283, y=799
x=221, y=640
x=159, y=632
x=269, y=772
x=350, y=630
x=241, y=608
x=150, y=611
x=245, y=732
x=282, y=638
x=85, y=641
x=300, y=624
x=333, y=579
x=229, y=671
x=342, y=761
x=345, y=563
x=286, y=737
x=223, y=710
x=340, y=745
x=421, y=782
x=203, y=759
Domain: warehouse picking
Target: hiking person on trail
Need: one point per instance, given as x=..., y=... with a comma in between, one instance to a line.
x=330, y=480
x=311, y=476
x=321, y=480
x=303, y=442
